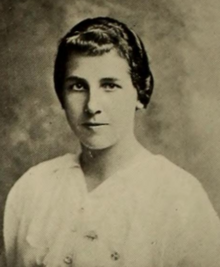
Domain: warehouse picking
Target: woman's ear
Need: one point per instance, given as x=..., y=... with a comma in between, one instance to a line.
x=139, y=105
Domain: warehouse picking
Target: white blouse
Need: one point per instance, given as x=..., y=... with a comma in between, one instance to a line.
x=151, y=214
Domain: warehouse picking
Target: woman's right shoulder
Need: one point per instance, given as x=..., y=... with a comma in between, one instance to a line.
x=44, y=176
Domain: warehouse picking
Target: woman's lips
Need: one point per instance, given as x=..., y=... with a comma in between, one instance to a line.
x=94, y=124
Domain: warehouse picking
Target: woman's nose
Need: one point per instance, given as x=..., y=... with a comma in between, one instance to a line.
x=93, y=104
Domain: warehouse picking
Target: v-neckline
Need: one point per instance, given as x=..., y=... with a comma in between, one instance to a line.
x=107, y=183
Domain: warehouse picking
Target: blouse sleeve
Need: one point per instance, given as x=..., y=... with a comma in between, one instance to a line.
x=13, y=210
x=11, y=223
x=197, y=241
x=2, y=259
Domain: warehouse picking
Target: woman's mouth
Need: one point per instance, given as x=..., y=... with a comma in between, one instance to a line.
x=94, y=124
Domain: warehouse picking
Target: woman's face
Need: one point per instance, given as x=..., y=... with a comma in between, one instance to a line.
x=99, y=99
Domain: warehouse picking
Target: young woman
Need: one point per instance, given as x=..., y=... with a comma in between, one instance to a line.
x=114, y=204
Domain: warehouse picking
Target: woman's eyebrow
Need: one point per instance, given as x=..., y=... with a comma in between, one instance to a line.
x=109, y=79
x=74, y=78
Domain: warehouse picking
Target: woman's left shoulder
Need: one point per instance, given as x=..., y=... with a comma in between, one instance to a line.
x=170, y=174
x=179, y=188
x=169, y=183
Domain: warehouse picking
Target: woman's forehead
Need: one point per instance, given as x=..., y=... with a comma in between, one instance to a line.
x=105, y=65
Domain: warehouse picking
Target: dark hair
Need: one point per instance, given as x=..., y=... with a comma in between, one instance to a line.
x=97, y=36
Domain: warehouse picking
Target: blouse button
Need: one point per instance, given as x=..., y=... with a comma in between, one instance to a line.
x=92, y=235
x=68, y=260
x=115, y=256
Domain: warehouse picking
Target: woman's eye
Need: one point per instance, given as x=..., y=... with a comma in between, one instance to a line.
x=111, y=86
x=77, y=87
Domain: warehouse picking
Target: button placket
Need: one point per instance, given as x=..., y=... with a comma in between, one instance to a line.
x=82, y=209
x=115, y=256
x=68, y=260
x=92, y=235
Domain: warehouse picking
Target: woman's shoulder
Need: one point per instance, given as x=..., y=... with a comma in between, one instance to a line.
x=168, y=173
x=45, y=169
x=44, y=176
x=173, y=192
x=167, y=180
x=54, y=164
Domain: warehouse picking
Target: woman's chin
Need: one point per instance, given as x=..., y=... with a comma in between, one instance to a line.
x=97, y=144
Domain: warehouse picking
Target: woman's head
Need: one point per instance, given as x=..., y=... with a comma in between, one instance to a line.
x=97, y=36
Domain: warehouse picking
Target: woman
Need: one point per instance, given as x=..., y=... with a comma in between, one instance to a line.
x=115, y=204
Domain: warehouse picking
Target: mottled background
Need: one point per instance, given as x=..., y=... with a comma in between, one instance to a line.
x=182, y=122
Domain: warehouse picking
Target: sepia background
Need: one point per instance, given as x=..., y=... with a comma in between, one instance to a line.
x=183, y=120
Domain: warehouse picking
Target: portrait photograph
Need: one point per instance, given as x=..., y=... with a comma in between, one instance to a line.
x=109, y=122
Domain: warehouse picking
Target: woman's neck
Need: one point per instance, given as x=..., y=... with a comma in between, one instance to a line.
x=100, y=164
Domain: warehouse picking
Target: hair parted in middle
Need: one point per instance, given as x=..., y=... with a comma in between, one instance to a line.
x=96, y=36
